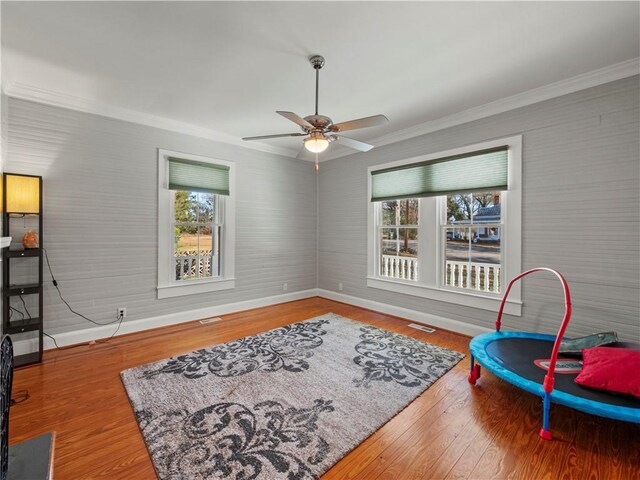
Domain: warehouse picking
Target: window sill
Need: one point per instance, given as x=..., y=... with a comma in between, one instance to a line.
x=468, y=299
x=195, y=287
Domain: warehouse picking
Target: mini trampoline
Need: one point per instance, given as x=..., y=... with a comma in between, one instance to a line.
x=530, y=361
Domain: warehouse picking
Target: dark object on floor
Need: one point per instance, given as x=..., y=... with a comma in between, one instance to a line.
x=32, y=459
x=6, y=381
x=574, y=346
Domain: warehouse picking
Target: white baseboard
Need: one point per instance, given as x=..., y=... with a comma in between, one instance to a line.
x=94, y=333
x=88, y=334
x=414, y=315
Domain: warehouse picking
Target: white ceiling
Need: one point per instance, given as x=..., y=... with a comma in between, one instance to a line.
x=226, y=67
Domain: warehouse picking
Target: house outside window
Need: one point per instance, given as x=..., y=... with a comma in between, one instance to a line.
x=472, y=248
x=196, y=224
x=465, y=241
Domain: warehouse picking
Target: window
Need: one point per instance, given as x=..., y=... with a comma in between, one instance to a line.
x=470, y=231
x=447, y=226
x=197, y=228
x=196, y=224
x=398, y=238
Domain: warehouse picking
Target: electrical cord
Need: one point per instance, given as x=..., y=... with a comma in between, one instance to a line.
x=121, y=317
x=54, y=340
x=55, y=284
x=13, y=309
x=25, y=307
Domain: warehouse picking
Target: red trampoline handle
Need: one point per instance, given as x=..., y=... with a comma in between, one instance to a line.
x=549, y=377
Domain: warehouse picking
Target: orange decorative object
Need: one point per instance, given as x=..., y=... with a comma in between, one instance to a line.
x=30, y=239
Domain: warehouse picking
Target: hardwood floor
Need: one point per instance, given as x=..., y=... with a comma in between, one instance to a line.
x=451, y=431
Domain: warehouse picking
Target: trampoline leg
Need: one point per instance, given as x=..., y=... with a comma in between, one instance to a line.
x=474, y=374
x=545, y=433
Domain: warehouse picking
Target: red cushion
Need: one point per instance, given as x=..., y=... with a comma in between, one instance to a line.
x=611, y=369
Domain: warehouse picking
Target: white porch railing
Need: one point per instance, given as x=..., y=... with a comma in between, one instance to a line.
x=191, y=265
x=399, y=267
x=484, y=277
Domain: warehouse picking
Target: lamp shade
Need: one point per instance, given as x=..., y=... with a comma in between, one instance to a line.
x=22, y=193
x=316, y=143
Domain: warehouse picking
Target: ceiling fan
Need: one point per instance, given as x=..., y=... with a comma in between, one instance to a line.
x=320, y=129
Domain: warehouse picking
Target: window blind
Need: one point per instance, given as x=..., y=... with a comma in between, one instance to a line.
x=484, y=170
x=198, y=176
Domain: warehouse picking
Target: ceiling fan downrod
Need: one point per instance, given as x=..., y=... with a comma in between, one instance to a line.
x=317, y=61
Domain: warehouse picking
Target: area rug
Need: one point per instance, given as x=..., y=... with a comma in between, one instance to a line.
x=284, y=404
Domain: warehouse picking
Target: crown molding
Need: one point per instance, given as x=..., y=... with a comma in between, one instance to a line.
x=594, y=78
x=24, y=91
x=583, y=81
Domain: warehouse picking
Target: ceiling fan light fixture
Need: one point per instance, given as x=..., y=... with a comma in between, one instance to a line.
x=316, y=143
x=320, y=128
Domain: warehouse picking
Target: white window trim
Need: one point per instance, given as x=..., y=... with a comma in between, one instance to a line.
x=430, y=270
x=167, y=288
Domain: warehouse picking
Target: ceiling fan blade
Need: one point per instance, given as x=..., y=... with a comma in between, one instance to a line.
x=295, y=119
x=360, y=123
x=355, y=144
x=261, y=137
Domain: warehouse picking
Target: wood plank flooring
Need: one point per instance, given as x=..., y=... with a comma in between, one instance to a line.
x=451, y=431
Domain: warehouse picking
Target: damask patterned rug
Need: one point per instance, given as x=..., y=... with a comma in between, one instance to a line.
x=284, y=404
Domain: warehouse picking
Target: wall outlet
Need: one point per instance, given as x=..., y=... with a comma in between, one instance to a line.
x=340, y=286
x=285, y=287
x=122, y=312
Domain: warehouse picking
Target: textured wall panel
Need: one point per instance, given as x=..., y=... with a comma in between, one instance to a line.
x=100, y=206
x=581, y=210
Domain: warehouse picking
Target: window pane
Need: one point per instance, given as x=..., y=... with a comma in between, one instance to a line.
x=459, y=207
x=457, y=244
x=465, y=208
x=486, y=207
x=186, y=238
x=185, y=206
x=185, y=251
x=408, y=211
x=193, y=253
x=457, y=270
x=472, y=258
x=390, y=212
x=400, y=212
x=205, y=203
x=485, y=259
x=389, y=241
x=399, y=247
x=196, y=252
x=408, y=242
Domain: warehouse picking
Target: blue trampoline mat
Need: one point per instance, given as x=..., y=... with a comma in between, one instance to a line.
x=511, y=356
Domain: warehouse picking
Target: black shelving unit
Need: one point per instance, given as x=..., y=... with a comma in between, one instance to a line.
x=12, y=323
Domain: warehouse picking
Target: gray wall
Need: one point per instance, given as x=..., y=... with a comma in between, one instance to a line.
x=581, y=175
x=581, y=189
x=100, y=207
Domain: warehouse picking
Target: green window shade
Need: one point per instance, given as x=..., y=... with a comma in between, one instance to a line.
x=472, y=172
x=198, y=176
